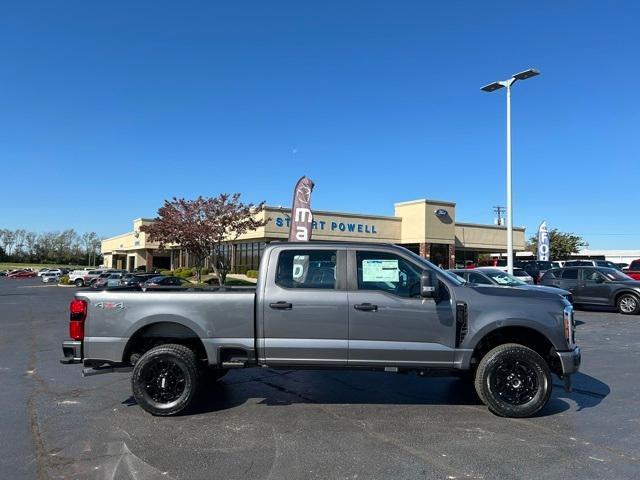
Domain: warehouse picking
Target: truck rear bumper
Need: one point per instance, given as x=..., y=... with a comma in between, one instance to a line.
x=72, y=351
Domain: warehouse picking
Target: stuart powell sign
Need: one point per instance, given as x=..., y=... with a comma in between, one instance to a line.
x=301, y=216
x=543, y=242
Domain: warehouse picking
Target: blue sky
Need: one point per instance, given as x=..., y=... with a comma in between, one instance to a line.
x=108, y=108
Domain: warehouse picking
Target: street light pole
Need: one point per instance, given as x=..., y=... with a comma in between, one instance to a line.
x=491, y=88
x=509, y=186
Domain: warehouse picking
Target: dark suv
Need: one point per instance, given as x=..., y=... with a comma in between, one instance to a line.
x=597, y=286
x=535, y=268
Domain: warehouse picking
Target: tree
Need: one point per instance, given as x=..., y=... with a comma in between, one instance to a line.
x=561, y=244
x=202, y=226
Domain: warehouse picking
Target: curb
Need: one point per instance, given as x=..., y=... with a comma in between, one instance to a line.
x=66, y=286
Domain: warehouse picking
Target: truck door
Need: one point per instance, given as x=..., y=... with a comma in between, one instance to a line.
x=389, y=322
x=305, y=308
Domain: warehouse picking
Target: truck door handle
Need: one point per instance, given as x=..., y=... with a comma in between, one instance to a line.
x=366, y=307
x=281, y=305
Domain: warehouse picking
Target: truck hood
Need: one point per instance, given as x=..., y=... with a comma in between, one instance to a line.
x=544, y=288
x=517, y=292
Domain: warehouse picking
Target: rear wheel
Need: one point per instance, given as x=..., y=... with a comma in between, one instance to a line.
x=628, y=304
x=513, y=381
x=79, y=282
x=166, y=379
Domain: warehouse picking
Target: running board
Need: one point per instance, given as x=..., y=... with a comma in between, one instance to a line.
x=91, y=371
x=234, y=364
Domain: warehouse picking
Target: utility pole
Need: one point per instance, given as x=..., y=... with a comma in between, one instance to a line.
x=498, y=210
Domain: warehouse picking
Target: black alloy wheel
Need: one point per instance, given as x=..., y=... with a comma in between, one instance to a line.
x=513, y=381
x=166, y=379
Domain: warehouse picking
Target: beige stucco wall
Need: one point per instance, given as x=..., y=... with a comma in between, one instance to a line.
x=414, y=222
x=487, y=237
x=337, y=226
x=420, y=224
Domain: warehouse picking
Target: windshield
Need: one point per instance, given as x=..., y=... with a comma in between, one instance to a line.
x=613, y=274
x=456, y=280
x=503, y=278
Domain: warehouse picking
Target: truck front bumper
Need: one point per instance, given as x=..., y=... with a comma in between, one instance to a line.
x=72, y=351
x=570, y=362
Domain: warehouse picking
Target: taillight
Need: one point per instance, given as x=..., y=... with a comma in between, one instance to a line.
x=77, y=316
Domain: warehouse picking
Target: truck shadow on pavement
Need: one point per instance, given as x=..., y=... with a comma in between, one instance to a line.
x=278, y=388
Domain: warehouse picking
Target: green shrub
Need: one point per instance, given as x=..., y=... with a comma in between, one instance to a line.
x=184, y=272
x=252, y=273
x=166, y=272
x=205, y=271
x=64, y=280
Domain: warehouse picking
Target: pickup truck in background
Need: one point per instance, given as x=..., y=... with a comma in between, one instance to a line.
x=634, y=270
x=329, y=305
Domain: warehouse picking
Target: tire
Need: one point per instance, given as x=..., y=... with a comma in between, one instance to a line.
x=513, y=381
x=166, y=379
x=628, y=304
x=79, y=282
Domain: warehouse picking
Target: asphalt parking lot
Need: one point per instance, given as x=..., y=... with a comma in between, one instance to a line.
x=266, y=424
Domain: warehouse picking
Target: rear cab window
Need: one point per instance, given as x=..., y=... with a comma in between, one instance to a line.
x=307, y=269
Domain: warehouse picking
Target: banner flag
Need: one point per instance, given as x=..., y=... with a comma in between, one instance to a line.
x=543, y=242
x=301, y=216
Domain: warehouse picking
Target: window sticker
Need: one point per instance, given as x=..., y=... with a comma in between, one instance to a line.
x=300, y=268
x=380, y=271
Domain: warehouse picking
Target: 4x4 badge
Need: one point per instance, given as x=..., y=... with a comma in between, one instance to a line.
x=109, y=305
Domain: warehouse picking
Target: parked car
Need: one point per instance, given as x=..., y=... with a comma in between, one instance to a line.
x=3, y=273
x=535, y=268
x=557, y=264
x=135, y=279
x=496, y=276
x=165, y=282
x=22, y=274
x=108, y=279
x=330, y=305
x=42, y=271
x=50, y=277
x=597, y=286
x=83, y=278
x=520, y=273
x=634, y=270
x=591, y=263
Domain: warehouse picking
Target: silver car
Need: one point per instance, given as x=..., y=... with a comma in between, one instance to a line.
x=496, y=276
x=50, y=277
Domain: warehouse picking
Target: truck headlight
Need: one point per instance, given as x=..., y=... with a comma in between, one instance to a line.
x=569, y=325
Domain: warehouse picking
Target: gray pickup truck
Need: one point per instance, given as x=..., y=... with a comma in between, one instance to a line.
x=329, y=305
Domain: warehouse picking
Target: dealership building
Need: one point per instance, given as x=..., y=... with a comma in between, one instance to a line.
x=427, y=227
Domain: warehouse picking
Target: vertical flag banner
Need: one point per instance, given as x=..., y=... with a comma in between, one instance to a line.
x=543, y=242
x=301, y=216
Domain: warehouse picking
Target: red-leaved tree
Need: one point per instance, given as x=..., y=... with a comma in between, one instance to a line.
x=202, y=226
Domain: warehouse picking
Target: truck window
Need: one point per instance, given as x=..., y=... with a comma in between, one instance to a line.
x=389, y=273
x=307, y=269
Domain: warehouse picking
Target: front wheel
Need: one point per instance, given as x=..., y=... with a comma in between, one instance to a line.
x=513, y=381
x=628, y=304
x=79, y=282
x=166, y=379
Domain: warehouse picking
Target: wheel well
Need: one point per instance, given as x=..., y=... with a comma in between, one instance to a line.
x=624, y=292
x=161, y=333
x=522, y=335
